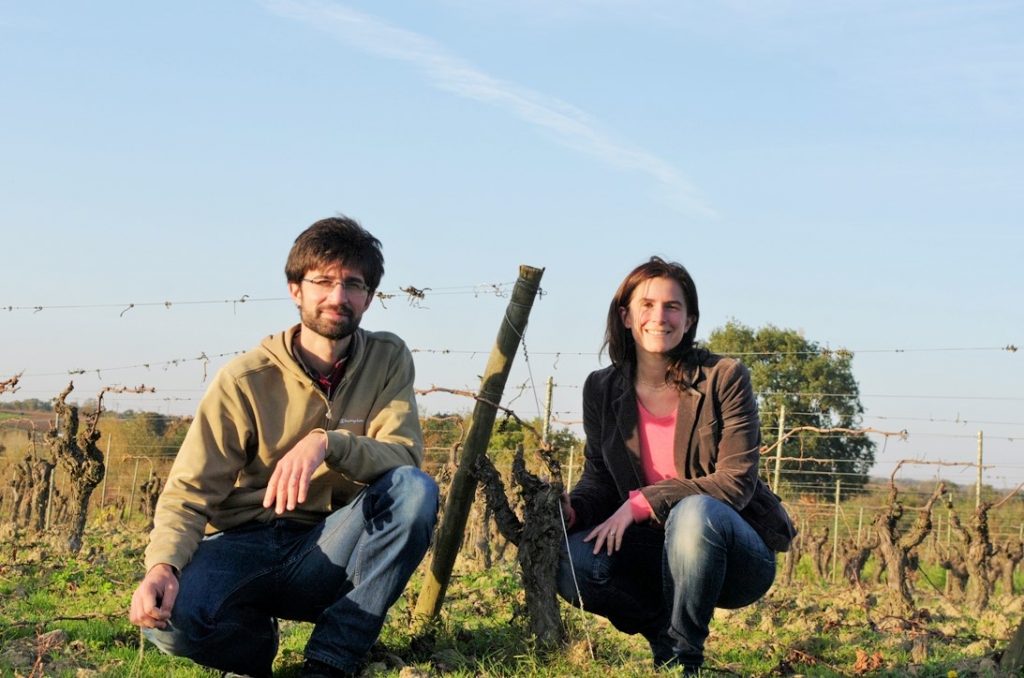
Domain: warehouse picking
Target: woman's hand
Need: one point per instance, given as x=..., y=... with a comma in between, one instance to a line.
x=568, y=512
x=609, y=533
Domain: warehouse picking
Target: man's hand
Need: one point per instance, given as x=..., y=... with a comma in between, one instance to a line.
x=609, y=533
x=154, y=598
x=290, y=480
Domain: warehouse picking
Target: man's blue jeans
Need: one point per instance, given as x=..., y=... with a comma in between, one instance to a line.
x=667, y=585
x=342, y=574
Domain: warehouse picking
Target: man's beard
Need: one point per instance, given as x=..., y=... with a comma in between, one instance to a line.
x=333, y=329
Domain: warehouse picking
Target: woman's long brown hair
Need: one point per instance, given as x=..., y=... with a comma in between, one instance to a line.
x=618, y=341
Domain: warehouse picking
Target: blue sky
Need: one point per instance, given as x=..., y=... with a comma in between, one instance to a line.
x=849, y=169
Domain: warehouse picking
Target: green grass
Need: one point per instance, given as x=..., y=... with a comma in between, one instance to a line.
x=808, y=629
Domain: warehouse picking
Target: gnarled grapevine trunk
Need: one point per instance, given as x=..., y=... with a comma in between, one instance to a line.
x=820, y=552
x=1005, y=561
x=854, y=557
x=75, y=450
x=149, y=492
x=538, y=536
x=31, y=486
x=952, y=561
x=895, y=547
x=977, y=557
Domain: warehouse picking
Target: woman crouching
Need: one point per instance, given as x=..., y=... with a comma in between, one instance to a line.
x=669, y=519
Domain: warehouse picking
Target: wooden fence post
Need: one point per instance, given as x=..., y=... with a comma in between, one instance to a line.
x=49, y=497
x=131, y=498
x=478, y=436
x=547, y=409
x=981, y=468
x=572, y=460
x=778, y=450
x=835, y=532
x=106, y=474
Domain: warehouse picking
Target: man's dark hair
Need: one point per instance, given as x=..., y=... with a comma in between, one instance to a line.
x=332, y=240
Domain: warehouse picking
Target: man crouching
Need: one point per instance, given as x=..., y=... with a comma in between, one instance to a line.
x=301, y=468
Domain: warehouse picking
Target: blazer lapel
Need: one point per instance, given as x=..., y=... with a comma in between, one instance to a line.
x=624, y=410
x=690, y=401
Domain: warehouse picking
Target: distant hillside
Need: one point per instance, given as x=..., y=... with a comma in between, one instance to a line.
x=17, y=417
x=30, y=405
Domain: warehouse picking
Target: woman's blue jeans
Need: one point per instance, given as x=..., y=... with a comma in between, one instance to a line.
x=342, y=574
x=666, y=585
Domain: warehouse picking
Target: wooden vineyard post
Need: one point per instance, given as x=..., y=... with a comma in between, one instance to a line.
x=778, y=451
x=103, y=485
x=835, y=532
x=135, y=482
x=478, y=436
x=547, y=410
x=981, y=469
x=50, y=494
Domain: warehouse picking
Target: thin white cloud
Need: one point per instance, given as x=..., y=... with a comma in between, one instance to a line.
x=569, y=125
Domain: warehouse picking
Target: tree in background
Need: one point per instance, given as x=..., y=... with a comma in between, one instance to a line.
x=818, y=389
x=443, y=430
x=151, y=434
x=145, y=434
x=509, y=434
x=29, y=405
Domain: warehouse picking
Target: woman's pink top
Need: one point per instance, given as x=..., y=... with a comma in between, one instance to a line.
x=657, y=456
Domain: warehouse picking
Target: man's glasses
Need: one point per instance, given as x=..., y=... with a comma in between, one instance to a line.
x=353, y=288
